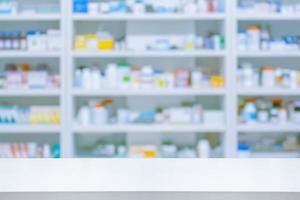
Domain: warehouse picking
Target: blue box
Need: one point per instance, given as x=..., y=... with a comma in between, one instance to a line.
x=80, y=6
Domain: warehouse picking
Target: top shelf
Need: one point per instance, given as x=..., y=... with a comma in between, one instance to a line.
x=30, y=17
x=147, y=17
x=275, y=17
x=150, y=17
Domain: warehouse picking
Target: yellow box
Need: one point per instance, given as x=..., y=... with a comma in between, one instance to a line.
x=80, y=42
x=106, y=44
x=91, y=36
x=217, y=81
x=150, y=154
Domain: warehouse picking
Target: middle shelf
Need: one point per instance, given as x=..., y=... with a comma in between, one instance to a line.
x=150, y=128
x=151, y=92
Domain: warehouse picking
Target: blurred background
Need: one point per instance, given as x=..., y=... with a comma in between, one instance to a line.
x=149, y=79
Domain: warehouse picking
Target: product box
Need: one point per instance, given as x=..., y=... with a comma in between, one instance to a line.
x=80, y=6
x=214, y=117
x=8, y=8
x=36, y=41
x=13, y=79
x=37, y=79
x=180, y=115
x=54, y=40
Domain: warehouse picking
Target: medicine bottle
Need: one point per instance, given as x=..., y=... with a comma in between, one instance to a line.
x=268, y=77
x=15, y=41
x=248, y=75
x=96, y=78
x=297, y=112
x=265, y=40
x=2, y=38
x=250, y=112
x=242, y=41
x=8, y=41
x=263, y=112
x=111, y=76
x=2, y=80
x=253, y=38
x=23, y=42
x=283, y=115
x=274, y=112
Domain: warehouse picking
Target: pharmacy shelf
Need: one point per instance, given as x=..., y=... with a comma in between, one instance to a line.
x=150, y=92
x=268, y=92
x=267, y=17
x=270, y=54
x=146, y=54
x=230, y=57
x=214, y=57
x=270, y=127
x=147, y=17
x=148, y=128
x=30, y=17
x=29, y=92
x=275, y=155
x=29, y=54
x=32, y=21
x=25, y=129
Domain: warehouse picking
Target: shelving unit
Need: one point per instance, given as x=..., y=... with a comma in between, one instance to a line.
x=33, y=96
x=68, y=96
x=132, y=22
x=264, y=57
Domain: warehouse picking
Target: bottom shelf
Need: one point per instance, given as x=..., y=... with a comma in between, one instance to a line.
x=32, y=128
x=135, y=145
x=269, y=127
x=30, y=145
x=269, y=145
x=275, y=155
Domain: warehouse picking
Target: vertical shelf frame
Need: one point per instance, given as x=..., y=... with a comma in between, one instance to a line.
x=230, y=136
x=64, y=137
x=69, y=136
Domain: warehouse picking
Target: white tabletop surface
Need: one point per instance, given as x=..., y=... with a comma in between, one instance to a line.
x=159, y=175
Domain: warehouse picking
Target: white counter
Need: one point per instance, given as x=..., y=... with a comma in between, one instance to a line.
x=158, y=175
